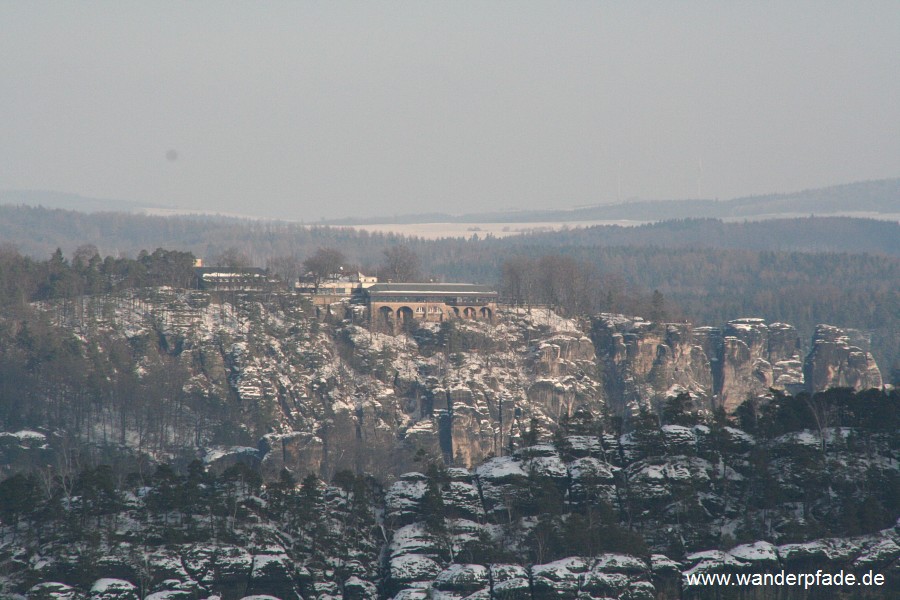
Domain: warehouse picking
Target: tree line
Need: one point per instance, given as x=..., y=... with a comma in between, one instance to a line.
x=24, y=279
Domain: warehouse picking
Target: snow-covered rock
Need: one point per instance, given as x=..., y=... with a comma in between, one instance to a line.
x=462, y=578
x=113, y=589
x=407, y=569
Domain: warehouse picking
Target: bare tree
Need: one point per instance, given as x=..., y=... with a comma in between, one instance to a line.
x=401, y=263
x=233, y=258
x=518, y=279
x=325, y=264
x=563, y=282
x=287, y=267
x=556, y=278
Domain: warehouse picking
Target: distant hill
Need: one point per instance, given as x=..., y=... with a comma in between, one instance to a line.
x=871, y=199
x=800, y=234
x=39, y=231
x=67, y=201
x=879, y=198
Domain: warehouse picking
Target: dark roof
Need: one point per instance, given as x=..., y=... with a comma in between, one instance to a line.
x=425, y=288
x=201, y=271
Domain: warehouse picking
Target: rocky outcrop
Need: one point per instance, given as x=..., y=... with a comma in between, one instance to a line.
x=323, y=397
x=645, y=362
x=297, y=452
x=475, y=401
x=840, y=358
x=757, y=357
x=746, y=370
x=585, y=517
x=320, y=397
x=559, y=353
x=680, y=498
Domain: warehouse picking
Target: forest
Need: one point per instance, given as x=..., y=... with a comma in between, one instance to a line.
x=198, y=530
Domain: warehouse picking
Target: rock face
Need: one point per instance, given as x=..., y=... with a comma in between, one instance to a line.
x=840, y=358
x=319, y=396
x=756, y=357
x=287, y=450
x=646, y=362
x=464, y=390
x=322, y=395
x=260, y=382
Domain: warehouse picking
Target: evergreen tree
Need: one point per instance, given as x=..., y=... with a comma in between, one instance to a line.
x=533, y=434
x=18, y=497
x=678, y=410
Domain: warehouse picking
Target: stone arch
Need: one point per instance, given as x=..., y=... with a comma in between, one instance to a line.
x=386, y=317
x=455, y=311
x=469, y=312
x=405, y=315
x=486, y=313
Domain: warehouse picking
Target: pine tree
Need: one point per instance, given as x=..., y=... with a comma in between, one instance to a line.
x=431, y=507
x=533, y=434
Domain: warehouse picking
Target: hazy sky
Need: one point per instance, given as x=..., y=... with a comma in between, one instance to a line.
x=325, y=109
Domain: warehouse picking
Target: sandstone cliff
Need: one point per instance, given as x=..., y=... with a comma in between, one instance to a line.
x=647, y=362
x=323, y=394
x=840, y=358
